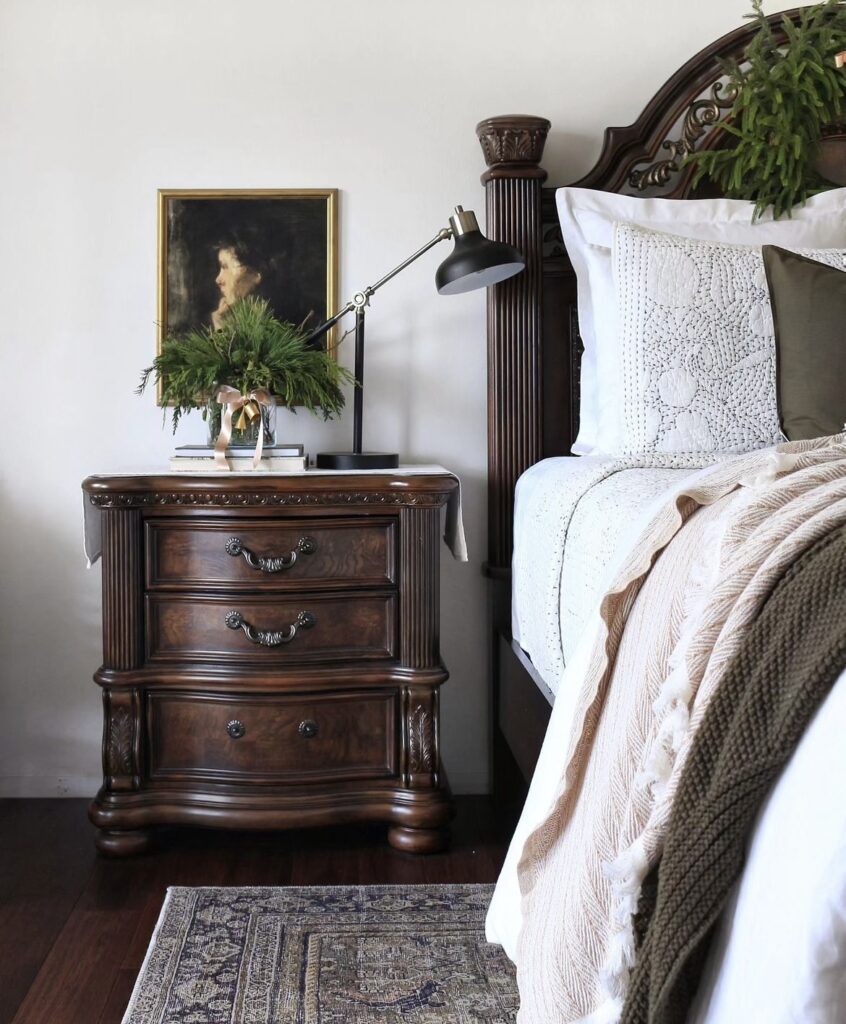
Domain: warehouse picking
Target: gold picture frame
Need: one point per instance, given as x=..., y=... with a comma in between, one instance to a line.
x=286, y=238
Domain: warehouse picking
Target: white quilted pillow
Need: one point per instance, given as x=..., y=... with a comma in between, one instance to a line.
x=697, y=346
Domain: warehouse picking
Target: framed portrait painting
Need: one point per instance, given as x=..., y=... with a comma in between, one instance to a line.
x=218, y=246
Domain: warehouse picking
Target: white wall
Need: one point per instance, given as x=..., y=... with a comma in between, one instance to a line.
x=103, y=102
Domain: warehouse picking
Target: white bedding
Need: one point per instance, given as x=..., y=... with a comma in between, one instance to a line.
x=572, y=519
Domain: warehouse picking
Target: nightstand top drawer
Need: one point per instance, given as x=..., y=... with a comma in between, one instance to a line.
x=271, y=631
x=273, y=739
x=270, y=555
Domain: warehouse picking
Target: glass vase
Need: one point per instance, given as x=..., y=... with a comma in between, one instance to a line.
x=246, y=436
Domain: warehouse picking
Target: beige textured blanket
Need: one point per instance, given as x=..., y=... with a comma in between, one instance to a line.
x=686, y=595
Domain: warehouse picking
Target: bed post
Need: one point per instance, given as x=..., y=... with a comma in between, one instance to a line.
x=513, y=146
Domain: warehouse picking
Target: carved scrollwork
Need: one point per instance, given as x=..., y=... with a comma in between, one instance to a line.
x=239, y=498
x=553, y=241
x=502, y=145
x=701, y=115
x=420, y=741
x=120, y=742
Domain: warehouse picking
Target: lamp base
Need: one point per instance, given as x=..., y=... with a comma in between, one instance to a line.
x=357, y=460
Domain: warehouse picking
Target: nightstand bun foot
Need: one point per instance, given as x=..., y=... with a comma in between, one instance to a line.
x=418, y=840
x=123, y=843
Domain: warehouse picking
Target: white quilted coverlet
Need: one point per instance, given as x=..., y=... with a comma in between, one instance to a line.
x=572, y=518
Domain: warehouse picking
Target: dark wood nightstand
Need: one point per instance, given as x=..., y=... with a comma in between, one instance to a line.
x=271, y=654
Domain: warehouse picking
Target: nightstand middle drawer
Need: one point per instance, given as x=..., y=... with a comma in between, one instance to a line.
x=271, y=630
x=270, y=555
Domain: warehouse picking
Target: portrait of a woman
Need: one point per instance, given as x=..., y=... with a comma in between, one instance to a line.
x=218, y=247
x=242, y=270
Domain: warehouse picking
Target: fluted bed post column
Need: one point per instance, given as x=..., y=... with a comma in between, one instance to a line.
x=513, y=147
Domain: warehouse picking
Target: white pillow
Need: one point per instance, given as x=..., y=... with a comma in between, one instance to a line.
x=697, y=345
x=587, y=226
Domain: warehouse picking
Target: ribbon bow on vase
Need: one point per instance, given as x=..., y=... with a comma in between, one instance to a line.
x=248, y=408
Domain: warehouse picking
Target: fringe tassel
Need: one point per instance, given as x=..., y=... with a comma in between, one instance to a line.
x=776, y=463
x=672, y=709
x=608, y=1012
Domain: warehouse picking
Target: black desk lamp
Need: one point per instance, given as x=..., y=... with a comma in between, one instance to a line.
x=475, y=262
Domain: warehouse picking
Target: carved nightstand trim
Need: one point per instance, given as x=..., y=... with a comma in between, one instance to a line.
x=242, y=498
x=121, y=738
x=420, y=587
x=422, y=743
x=122, y=589
x=120, y=743
x=420, y=758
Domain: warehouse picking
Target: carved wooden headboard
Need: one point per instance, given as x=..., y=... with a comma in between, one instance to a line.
x=534, y=348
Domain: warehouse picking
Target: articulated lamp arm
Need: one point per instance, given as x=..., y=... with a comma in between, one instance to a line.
x=362, y=298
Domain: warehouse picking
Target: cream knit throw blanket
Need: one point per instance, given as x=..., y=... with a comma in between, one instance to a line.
x=686, y=595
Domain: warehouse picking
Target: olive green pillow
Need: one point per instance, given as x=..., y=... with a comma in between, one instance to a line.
x=809, y=315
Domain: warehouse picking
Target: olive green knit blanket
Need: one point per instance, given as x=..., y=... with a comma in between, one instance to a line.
x=794, y=653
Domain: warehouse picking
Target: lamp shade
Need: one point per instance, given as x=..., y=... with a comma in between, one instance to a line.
x=475, y=261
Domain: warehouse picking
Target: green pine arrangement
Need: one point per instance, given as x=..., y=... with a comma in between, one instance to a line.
x=784, y=95
x=252, y=350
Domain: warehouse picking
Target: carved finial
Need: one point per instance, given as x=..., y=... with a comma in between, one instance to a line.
x=514, y=141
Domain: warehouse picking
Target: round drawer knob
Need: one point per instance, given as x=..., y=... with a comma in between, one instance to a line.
x=308, y=729
x=236, y=729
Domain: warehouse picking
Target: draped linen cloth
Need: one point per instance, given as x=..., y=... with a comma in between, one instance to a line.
x=671, y=623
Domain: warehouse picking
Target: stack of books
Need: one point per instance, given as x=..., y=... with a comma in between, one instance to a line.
x=275, y=458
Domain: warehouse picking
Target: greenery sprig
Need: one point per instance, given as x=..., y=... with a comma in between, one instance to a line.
x=251, y=350
x=784, y=94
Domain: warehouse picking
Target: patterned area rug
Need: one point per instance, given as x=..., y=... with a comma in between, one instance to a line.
x=313, y=955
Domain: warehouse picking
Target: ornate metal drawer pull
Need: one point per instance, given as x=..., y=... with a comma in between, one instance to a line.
x=268, y=638
x=308, y=729
x=270, y=563
x=236, y=729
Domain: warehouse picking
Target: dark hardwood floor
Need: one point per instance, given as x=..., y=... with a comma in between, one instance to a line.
x=74, y=927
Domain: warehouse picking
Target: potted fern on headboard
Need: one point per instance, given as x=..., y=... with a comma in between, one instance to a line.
x=785, y=94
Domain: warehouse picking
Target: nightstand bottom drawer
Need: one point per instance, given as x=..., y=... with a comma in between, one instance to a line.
x=273, y=738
